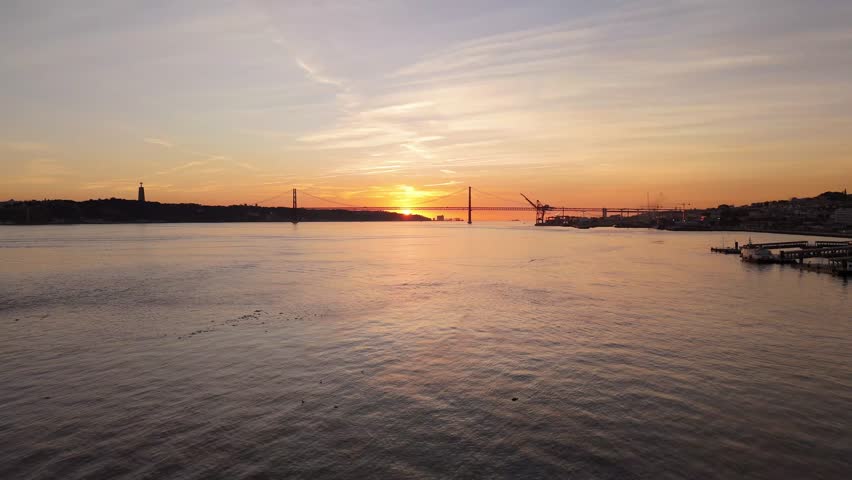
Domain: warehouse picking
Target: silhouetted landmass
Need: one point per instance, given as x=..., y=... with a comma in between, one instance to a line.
x=116, y=210
x=828, y=214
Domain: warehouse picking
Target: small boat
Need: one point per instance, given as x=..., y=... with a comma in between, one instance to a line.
x=756, y=255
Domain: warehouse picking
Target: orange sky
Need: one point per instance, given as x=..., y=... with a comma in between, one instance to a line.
x=576, y=104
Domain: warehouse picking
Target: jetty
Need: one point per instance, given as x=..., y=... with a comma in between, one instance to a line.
x=735, y=250
x=776, y=245
x=841, y=265
x=837, y=253
x=726, y=250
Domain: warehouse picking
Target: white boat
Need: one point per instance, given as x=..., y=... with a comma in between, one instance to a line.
x=756, y=254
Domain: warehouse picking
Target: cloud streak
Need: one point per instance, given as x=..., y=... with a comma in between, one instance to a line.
x=315, y=75
x=158, y=141
x=25, y=147
x=180, y=168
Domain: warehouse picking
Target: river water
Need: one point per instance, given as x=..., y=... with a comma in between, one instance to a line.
x=413, y=350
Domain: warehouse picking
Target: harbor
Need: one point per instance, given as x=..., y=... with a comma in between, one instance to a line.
x=831, y=256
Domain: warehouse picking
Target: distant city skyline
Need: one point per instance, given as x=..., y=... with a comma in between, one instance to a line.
x=379, y=102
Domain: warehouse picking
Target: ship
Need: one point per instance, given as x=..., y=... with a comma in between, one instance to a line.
x=757, y=254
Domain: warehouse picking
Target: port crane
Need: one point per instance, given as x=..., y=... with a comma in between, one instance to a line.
x=683, y=210
x=541, y=209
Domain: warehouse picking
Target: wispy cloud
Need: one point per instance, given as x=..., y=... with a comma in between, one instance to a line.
x=578, y=88
x=27, y=147
x=245, y=165
x=317, y=76
x=442, y=184
x=171, y=145
x=182, y=167
x=396, y=110
x=158, y=141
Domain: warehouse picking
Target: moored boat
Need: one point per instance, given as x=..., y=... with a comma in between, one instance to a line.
x=757, y=254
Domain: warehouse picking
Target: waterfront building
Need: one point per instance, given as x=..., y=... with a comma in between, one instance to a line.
x=843, y=216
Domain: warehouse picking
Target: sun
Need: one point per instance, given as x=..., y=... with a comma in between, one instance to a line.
x=406, y=212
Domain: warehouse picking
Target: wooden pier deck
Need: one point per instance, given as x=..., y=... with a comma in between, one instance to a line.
x=777, y=245
x=816, y=252
x=838, y=254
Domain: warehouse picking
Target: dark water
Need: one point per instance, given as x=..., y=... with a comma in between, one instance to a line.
x=396, y=350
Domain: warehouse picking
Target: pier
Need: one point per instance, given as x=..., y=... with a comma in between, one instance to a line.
x=841, y=265
x=776, y=245
x=800, y=255
x=837, y=252
x=735, y=250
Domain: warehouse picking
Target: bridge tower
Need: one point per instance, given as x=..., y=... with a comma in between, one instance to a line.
x=295, y=212
x=469, y=208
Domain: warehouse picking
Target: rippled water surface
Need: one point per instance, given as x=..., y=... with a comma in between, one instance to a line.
x=407, y=350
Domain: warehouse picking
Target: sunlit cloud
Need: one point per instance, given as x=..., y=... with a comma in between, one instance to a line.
x=417, y=149
x=316, y=76
x=396, y=110
x=442, y=184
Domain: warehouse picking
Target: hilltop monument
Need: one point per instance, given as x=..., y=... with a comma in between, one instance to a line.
x=141, y=193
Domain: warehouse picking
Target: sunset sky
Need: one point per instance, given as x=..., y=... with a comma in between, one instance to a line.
x=396, y=102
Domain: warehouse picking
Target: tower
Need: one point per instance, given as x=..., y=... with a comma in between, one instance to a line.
x=295, y=211
x=469, y=219
x=141, y=193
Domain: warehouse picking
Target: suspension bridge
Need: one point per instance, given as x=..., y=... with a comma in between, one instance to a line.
x=433, y=205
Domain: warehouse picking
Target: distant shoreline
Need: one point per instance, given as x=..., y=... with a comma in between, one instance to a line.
x=207, y=222
x=120, y=211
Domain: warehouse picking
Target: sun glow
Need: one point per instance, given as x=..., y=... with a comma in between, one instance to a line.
x=406, y=212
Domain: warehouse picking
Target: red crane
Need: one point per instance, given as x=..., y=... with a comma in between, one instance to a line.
x=541, y=209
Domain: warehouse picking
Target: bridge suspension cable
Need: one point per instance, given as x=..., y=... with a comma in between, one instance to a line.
x=517, y=202
x=271, y=198
x=327, y=200
x=439, y=198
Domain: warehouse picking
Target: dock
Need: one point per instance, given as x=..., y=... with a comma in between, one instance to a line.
x=735, y=250
x=841, y=265
x=837, y=252
x=777, y=245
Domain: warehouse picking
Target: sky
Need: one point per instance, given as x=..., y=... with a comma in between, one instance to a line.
x=380, y=102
